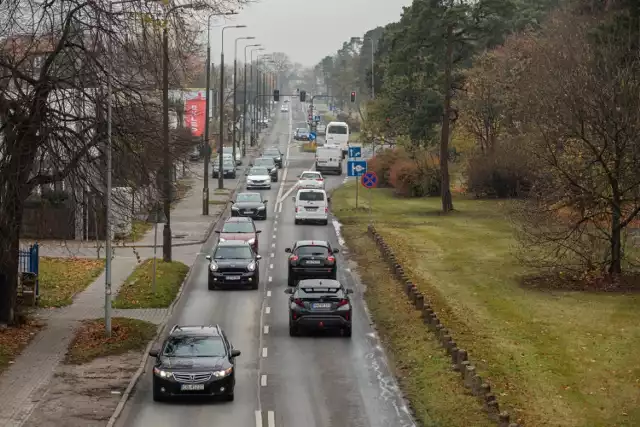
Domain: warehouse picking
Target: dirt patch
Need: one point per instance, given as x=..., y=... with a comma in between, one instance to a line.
x=85, y=395
x=585, y=283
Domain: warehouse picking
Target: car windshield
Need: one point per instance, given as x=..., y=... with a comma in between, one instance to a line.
x=311, y=196
x=194, y=347
x=249, y=197
x=238, y=227
x=264, y=162
x=233, y=252
x=272, y=153
x=302, y=131
x=337, y=130
x=312, y=251
x=321, y=292
x=310, y=175
x=258, y=171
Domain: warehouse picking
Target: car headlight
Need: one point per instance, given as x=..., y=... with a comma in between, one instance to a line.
x=162, y=374
x=235, y=208
x=251, y=241
x=222, y=239
x=261, y=208
x=213, y=266
x=252, y=266
x=223, y=373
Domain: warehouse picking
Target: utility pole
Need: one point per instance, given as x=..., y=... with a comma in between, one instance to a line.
x=244, y=114
x=221, y=138
x=235, y=88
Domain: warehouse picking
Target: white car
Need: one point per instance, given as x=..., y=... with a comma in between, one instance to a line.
x=311, y=179
x=238, y=157
x=311, y=205
x=258, y=177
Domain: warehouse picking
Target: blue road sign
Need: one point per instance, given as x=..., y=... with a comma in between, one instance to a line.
x=355, y=152
x=369, y=179
x=356, y=167
x=316, y=118
x=312, y=136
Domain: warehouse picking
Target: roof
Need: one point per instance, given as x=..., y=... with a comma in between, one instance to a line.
x=264, y=158
x=319, y=283
x=232, y=243
x=196, y=330
x=312, y=243
x=311, y=190
x=252, y=193
x=238, y=219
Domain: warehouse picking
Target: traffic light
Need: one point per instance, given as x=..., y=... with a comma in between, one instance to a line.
x=303, y=96
x=353, y=96
x=276, y=95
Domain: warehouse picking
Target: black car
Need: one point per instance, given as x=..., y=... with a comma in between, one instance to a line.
x=234, y=264
x=194, y=361
x=270, y=164
x=251, y=205
x=320, y=304
x=229, y=169
x=277, y=155
x=311, y=259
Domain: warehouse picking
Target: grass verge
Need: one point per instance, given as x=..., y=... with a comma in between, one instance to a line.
x=553, y=358
x=137, y=291
x=14, y=339
x=62, y=278
x=90, y=341
x=218, y=202
x=138, y=229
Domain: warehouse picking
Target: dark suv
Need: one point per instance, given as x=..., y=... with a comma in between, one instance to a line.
x=270, y=164
x=233, y=264
x=276, y=154
x=319, y=304
x=194, y=361
x=311, y=259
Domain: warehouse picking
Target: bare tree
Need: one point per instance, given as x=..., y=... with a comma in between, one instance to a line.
x=55, y=61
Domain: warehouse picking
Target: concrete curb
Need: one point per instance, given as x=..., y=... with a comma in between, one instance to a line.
x=161, y=328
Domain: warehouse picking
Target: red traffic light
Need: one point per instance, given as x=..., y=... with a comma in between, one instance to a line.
x=353, y=94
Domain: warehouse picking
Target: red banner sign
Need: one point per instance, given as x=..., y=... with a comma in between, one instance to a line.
x=194, y=116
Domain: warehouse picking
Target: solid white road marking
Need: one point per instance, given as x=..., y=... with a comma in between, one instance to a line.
x=273, y=255
x=286, y=166
x=281, y=201
x=263, y=380
x=266, y=329
x=264, y=352
x=270, y=279
x=268, y=293
x=271, y=419
x=275, y=228
x=258, y=419
x=267, y=310
x=271, y=266
x=280, y=208
x=273, y=245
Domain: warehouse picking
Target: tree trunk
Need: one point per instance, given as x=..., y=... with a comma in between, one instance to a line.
x=447, y=202
x=11, y=207
x=615, y=265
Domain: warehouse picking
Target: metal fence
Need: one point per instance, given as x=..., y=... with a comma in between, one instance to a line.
x=29, y=262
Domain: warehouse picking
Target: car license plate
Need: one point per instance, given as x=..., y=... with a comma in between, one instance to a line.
x=192, y=387
x=314, y=261
x=233, y=277
x=247, y=211
x=321, y=305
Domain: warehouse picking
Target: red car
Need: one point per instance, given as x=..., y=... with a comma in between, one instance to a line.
x=240, y=228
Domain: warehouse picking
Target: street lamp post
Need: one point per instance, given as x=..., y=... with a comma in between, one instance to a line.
x=244, y=114
x=235, y=88
x=221, y=132
x=255, y=102
x=207, y=147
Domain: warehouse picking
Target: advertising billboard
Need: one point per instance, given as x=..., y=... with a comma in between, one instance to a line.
x=194, y=116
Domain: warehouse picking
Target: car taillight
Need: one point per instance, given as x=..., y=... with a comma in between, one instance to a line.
x=299, y=302
x=331, y=259
x=326, y=210
x=296, y=209
x=319, y=179
x=343, y=302
x=293, y=258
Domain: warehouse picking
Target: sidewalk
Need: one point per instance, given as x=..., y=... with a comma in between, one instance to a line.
x=24, y=382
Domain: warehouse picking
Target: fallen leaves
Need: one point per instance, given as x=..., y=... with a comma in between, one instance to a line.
x=62, y=278
x=14, y=339
x=91, y=341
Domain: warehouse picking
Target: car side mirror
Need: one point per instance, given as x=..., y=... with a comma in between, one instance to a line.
x=246, y=174
x=153, y=353
x=335, y=251
x=258, y=231
x=208, y=257
x=265, y=201
x=328, y=199
x=287, y=250
x=233, y=202
x=217, y=231
x=235, y=353
x=258, y=256
x=299, y=176
x=348, y=291
x=289, y=291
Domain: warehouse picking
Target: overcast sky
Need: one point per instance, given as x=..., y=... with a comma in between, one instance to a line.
x=306, y=30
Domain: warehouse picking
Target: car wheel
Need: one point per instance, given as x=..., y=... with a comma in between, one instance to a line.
x=233, y=176
x=229, y=397
x=293, y=331
x=296, y=222
x=157, y=395
x=346, y=332
x=325, y=222
x=211, y=286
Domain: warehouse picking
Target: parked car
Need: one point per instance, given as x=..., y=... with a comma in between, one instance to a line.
x=229, y=168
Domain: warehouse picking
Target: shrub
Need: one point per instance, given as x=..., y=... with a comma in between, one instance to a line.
x=415, y=177
x=382, y=163
x=505, y=173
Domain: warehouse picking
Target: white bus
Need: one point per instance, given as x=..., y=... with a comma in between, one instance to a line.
x=337, y=133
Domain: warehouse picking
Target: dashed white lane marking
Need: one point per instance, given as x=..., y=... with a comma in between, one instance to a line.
x=271, y=419
x=271, y=266
x=263, y=380
x=265, y=329
x=265, y=352
x=273, y=245
x=258, y=418
x=267, y=310
x=273, y=255
x=270, y=279
x=275, y=229
x=269, y=292
x=274, y=236
x=280, y=208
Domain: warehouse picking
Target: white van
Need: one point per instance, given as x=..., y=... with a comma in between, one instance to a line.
x=338, y=133
x=311, y=206
x=329, y=159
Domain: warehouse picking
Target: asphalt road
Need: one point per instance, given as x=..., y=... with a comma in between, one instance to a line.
x=319, y=381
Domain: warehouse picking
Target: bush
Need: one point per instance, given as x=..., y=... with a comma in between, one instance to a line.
x=382, y=163
x=415, y=177
x=505, y=173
